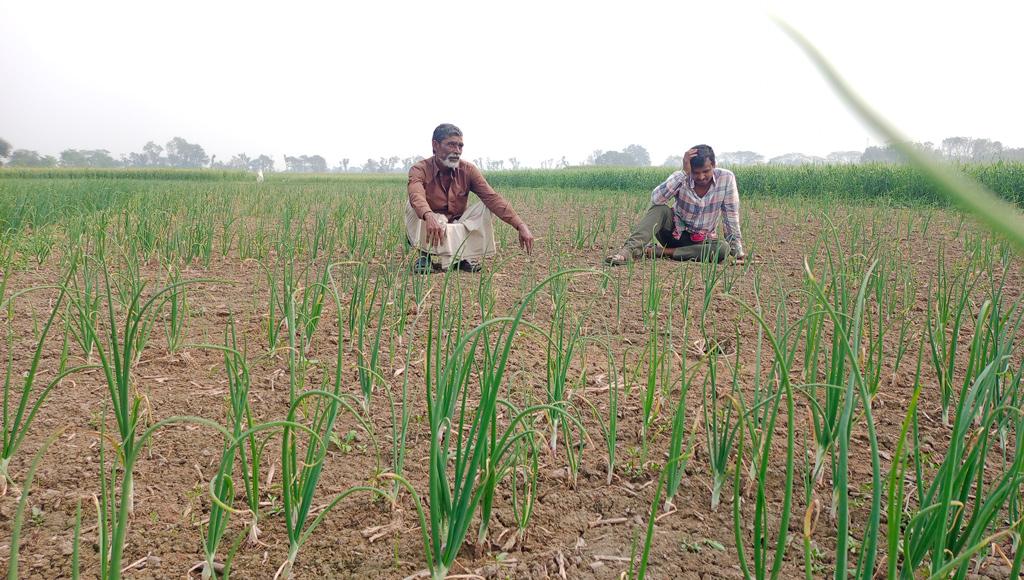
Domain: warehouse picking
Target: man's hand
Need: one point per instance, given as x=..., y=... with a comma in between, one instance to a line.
x=436, y=229
x=690, y=154
x=525, y=239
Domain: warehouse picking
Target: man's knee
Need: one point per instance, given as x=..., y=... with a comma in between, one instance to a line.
x=662, y=211
x=714, y=251
x=721, y=252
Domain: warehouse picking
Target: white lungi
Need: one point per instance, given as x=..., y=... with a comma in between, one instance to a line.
x=471, y=238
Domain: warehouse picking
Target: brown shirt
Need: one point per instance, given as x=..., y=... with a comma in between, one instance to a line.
x=434, y=187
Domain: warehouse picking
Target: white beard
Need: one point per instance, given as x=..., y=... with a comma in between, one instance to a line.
x=449, y=163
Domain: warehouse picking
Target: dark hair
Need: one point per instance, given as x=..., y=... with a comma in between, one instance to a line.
x=445, y=130
x=704, y=154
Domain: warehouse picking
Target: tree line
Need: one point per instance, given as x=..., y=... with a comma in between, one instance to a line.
x=956, y=149
x=179, y=153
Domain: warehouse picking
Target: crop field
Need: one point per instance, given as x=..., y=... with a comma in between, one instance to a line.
x=209, y=377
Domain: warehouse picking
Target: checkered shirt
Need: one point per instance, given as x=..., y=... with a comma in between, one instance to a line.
x=694, y=214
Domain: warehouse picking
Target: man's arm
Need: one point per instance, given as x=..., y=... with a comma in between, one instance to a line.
x=731, y=217
x=500, y=207
x=418, y=200
x=418, y=191
x=668, y=189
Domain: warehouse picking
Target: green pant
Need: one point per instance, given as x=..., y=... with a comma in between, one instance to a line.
x=657, y=223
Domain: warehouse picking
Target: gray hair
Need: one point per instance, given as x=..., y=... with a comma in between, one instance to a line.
x=445, y=130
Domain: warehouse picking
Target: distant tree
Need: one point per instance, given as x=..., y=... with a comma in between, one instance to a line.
x=890, y=154
x=673, y=161
x=262, y=163
x=957, y=148
x=371, y=166
x=640, y=155
x=305, y=164
x=317, y=164
x=513, y=162
x=102, y=158
x=344, y=164
x=615, y=158
x=239, y=161
x=408, y=162
x=886, y=154
x=181, y=153
x=929, y=148
x=5, y=150
x=844, y=157
x=496, y=165
x=72, y=158
x=985, y=150
x=87, y=158
x=388, y=164
x=1012, y=154
x=795, y=159
x=968, y=149
x=738, y=158
x=28, y=158
x=562, y=163
x=152, y=155
x=547, y=164
x=631, y=156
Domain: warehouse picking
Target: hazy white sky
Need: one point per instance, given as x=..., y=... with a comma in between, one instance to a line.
x=530, y=79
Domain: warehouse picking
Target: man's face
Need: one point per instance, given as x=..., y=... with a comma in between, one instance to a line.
x=448, y=151
x=702, y=175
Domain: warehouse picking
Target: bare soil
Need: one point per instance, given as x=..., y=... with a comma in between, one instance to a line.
x=581, y=529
